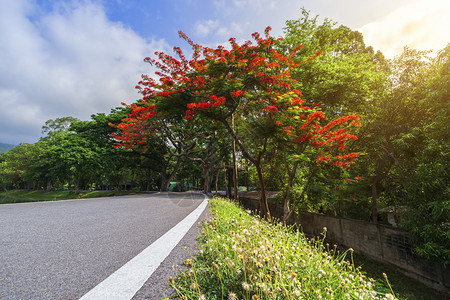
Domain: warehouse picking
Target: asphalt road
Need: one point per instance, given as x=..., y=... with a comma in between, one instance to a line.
x=62, y=250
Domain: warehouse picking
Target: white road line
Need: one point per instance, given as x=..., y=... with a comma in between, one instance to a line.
x=128, y=280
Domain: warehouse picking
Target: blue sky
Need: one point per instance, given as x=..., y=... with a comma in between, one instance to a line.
x=80, y=57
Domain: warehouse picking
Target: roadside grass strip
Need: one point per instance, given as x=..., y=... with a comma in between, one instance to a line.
x=244, y=257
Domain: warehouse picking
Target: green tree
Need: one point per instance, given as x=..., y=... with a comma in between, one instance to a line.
x=425, y=164
x=16, y=166
x=114, y=164
x=58, y=124
x=160, y=134
x=347, y=77
x=394, y=114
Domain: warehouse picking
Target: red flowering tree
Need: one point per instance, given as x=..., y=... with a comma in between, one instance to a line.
x=250, y=84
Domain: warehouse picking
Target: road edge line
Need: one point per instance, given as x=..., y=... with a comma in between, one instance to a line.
x=129, y=279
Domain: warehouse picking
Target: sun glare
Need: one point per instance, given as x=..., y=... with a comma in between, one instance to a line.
x=420, y=25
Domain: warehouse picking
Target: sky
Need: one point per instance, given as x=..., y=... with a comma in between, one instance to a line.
x=77, y=58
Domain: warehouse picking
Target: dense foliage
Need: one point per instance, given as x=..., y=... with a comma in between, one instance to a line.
x=289, y=115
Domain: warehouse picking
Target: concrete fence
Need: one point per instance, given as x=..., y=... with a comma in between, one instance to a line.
x=383, y=243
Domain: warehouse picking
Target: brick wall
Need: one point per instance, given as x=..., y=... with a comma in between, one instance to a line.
x=383, y=243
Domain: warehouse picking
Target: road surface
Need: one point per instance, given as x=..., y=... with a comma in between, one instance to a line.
x=69, y=249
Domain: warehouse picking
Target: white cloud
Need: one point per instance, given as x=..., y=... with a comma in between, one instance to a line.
x=241, y=18
x=205, y=27
x=73, y=61
x=421, y=25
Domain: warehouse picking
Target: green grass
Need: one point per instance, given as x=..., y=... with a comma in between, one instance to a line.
x=20, y=196
x=405, y=287
x=244, y=257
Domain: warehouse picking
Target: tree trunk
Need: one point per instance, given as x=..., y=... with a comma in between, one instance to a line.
x=167, y=178
x=383, y=167
x=264, y=206
x=286, y=203
x=149, y=179
x=256, y=162
x=235, y=174
x=374, y=200
x=247, y=179
x=165, y=183
x=227, y=186
x=212, y=162
x=49, y=185
x=217, y=180
x=206, y=176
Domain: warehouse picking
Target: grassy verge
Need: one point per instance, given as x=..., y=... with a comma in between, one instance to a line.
x=244, y=257
x=20, y=196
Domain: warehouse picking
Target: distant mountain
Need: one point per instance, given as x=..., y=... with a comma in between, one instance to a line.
x=5, y=147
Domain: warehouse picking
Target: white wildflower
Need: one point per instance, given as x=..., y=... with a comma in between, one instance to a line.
x=390, y=297
x=202, y=297
x=246, y=286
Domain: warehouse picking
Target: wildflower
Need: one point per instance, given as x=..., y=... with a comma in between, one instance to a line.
x=202, y=297
x=297, y=293
x=246, y=286
x=188, y=262
x=389, y=296
x=232, y=296
x=193, y=285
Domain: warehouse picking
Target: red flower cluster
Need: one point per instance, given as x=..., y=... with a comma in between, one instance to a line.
x=271, y=108
x=321, y=159
x=195, y=106
x=237, y=94
x=313, y=56
x=136, y=126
